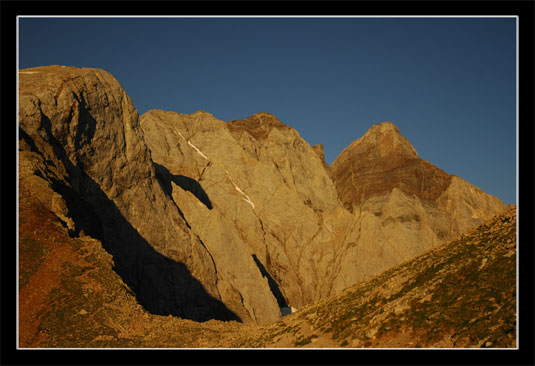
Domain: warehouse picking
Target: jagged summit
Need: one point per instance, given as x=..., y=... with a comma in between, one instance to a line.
x=202, y=112
x=384, y=126
x=259, y=125
x=264, y=115
x=263, y=118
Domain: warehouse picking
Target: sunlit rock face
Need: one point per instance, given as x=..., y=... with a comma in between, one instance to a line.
x=83, y=146
x=273, y=191
x=268, y=192
x=207, y=219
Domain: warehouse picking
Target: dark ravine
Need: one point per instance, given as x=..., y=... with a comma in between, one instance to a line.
x=213, y=220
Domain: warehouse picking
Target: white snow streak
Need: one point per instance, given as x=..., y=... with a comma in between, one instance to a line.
x=246, y=199
x=193, y=146
x=197, y=149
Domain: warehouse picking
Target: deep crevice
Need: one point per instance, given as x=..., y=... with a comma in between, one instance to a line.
x=273, y=285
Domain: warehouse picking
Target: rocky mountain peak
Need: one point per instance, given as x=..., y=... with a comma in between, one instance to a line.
x=265, y=117
x=382, y=160
x=202, y=113
x=384, y=127
x=387, y=140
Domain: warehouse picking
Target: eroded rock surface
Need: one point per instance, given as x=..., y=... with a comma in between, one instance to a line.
x=271, y=192
x=381, y=160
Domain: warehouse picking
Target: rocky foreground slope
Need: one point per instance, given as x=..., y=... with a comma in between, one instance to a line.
x=70, y=297
x=206, y=219
x=461, y=294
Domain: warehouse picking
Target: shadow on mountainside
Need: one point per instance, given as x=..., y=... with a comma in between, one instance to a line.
x=161, y=285
x=188, y=184
x=273, y=285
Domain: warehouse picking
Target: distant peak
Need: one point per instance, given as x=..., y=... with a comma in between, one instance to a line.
x=387, y=138
x=264, y=114
x=201, y=112
x=384, y=127
x=259, y=125
x=264, y=118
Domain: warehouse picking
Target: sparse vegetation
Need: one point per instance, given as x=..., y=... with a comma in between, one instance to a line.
x=463, y=291
x=31, y=254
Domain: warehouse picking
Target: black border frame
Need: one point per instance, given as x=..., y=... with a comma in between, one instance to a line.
x=524, y=355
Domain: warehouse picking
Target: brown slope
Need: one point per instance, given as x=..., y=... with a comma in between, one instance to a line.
x=70, y=297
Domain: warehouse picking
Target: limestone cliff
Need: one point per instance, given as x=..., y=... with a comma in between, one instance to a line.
x=271, y=191
x=268, y=194
x=82, y=147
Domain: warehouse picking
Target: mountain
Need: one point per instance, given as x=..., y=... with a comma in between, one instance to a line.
x=406, y=202
x=269, y=193
x=212, y=220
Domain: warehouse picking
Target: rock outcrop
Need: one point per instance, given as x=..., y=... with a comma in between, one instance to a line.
x=207, y=219
x=273, y=192
x=381, y=160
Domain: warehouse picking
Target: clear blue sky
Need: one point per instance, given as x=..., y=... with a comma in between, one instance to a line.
x=449, y=84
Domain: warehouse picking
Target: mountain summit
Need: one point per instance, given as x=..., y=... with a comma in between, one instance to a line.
x=259, y=125
x=387, y=139
x=381, y=160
